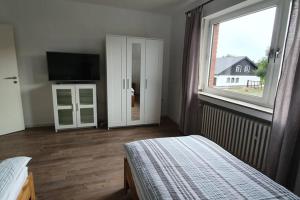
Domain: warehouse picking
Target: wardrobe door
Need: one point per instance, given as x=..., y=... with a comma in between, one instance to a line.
x=116, y=75
x=135, y=80
x=154, y=65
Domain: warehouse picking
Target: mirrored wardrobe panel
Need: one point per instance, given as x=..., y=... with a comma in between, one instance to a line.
x=135, y=73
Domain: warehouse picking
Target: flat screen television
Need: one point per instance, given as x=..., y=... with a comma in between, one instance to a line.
x=73, y=66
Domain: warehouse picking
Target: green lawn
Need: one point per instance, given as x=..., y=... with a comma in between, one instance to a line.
x=247, y=91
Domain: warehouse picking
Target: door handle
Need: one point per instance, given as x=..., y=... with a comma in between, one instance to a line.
x=277, y=53
x=11, y=77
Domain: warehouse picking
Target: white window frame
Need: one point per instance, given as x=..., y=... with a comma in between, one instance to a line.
x=278, y=41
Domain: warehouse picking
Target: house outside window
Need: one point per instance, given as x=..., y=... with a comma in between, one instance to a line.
x=241, y=51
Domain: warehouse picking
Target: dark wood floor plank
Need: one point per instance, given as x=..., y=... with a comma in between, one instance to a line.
x=78, y=164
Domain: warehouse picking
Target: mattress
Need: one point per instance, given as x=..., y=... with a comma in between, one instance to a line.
x=193, y=167
x=14, y=191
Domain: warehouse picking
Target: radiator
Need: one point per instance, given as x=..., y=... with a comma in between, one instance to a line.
x=244, y=137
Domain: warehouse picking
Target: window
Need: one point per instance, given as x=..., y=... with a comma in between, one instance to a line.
x=247, y=67
x=248, y=43
x=238, y=68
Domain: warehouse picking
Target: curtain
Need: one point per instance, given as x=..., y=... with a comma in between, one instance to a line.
x=284, y=147
x=190, y=72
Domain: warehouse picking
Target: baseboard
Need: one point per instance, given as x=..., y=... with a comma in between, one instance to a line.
x=38, y=125
x=101, y=123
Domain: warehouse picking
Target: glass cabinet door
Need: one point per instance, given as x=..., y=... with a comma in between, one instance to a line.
x=65, y=117
x=64, y=97
x=86, y=105
x=135, y=80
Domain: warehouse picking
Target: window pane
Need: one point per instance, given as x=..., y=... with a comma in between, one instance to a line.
x=86, y=96
x=240, y=48
x=65, y=117
x=64, y=97
x=87, y=115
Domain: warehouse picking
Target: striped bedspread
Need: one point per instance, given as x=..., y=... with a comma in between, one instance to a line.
x=193, y=167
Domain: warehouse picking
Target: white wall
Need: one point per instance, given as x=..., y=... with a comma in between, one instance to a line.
x=57, y=25
x=177, y=43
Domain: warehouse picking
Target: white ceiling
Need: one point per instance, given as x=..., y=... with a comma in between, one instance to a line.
x=160, y=6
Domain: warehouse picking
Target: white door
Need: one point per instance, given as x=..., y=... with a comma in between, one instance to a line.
x=116, y=80
x=11, y=111
x=86, y=105
x=64, y=106
x=154, y=65
x=135, y=80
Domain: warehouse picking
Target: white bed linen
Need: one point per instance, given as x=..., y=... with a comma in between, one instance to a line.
x=14, y=191
x=193, y=167
x=135, y=179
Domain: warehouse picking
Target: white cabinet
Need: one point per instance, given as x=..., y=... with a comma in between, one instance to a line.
x=74, y=105
x=134, y=80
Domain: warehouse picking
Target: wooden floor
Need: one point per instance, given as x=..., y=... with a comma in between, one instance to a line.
x=81, y=164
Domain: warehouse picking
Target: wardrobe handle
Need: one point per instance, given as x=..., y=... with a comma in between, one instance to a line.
x=146, y=84
x=123, y=83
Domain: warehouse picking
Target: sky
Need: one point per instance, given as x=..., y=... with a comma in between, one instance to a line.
x=249, y=35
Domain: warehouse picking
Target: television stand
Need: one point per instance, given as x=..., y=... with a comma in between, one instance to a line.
x=74, y=82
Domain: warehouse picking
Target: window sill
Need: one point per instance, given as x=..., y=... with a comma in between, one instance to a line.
x=239, y=106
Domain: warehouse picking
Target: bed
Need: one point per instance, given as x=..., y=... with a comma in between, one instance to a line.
x=16, y=183
x=27, y=191
x=193, y=167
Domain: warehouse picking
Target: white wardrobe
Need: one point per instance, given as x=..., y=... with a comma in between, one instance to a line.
x=134, y=80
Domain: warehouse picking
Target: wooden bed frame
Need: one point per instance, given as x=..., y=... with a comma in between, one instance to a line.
x=27, y=192
x=128, y=181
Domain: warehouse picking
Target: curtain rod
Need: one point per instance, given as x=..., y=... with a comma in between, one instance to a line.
x=203, y=4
